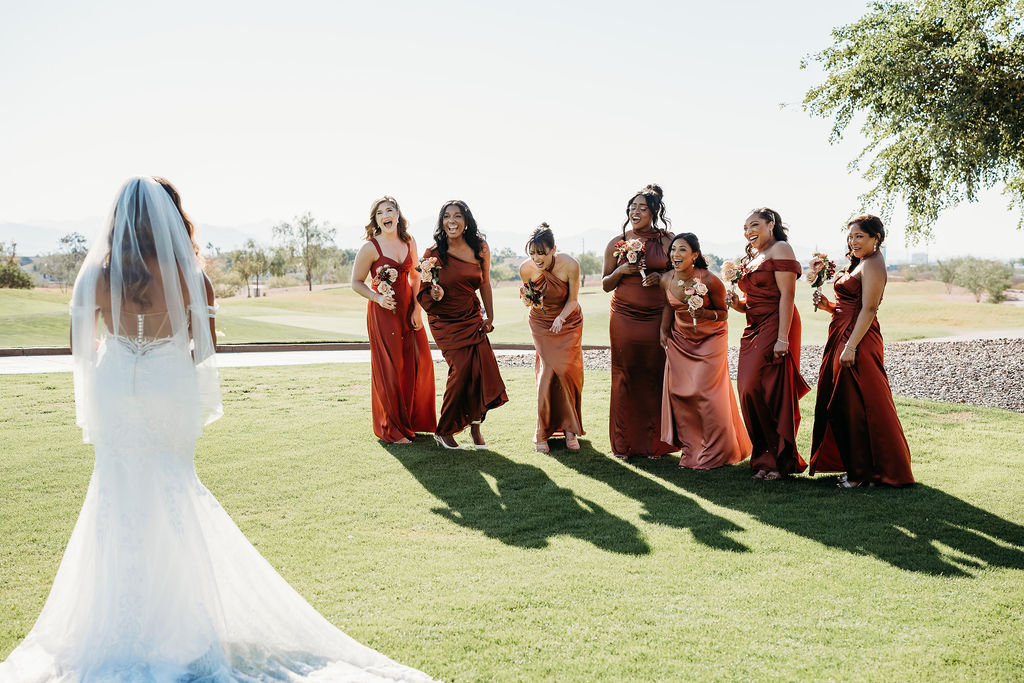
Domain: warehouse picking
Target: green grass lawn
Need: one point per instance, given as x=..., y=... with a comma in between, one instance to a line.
x=910, y=310
x=509, y=565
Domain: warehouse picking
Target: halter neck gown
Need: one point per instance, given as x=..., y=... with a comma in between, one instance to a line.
x=559, y=362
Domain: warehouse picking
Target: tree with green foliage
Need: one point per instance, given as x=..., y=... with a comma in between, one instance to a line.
x=501, y=272
x=62, y=266
x=940, y=86
x=250, y=262
x=589, y=263
x=970, y=275
x=996, y=277
x=946, y=272
x=9, y=252
x=13, y=277
x=307, y=241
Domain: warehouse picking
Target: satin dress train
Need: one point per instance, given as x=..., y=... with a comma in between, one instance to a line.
x=699, y=414
x=401, y=369
x=474, y=383
x=856, y=429
x=559, y=362
x=770, y=389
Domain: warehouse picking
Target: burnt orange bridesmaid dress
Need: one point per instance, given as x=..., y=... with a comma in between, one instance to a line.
x=699, y=413
x=638, y=361
x=401, y=370
x=856, y=429
x=559, y=364
x=770, y=389
x=474, y=383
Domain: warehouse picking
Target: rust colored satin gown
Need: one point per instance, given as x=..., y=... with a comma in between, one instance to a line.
x=770, y=389
x=638, y=361
x=474, y=383
x=401, y=370
x=856, y=429
x=559, y=364
x=699, y=413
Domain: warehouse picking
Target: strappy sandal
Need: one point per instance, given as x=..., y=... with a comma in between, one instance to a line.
x=441, y=442
x=773, y=476
x=542, y=447
x=760, y=474
x=847, y=484
x=623, y=458
x=572, y=442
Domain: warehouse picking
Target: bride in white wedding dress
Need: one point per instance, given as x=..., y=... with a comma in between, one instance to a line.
x=157, y=583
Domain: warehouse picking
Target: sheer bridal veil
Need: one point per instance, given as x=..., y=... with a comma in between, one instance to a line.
x=142, y=284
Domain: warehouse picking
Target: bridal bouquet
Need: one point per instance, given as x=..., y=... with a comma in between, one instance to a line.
x=384, y=280
x=633, y=251
x=820, y=271
x=531, y=295
x=732, y=274
x=694, y=292
x=429, y=269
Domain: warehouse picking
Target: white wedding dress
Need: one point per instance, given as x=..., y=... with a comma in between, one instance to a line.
x=157, y=584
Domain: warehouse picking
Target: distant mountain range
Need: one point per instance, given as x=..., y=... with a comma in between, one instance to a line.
x=43, y=237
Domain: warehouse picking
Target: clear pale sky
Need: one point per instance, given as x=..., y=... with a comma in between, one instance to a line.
x=528, y=110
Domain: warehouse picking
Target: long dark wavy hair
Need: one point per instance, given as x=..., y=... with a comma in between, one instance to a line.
x=694, y=243
x=472, y=235
x=870, y=224
x=172, y=192
x=780, y=233
x=134, y=272
x=653, y=195
x=372, y=229
x=541, y=237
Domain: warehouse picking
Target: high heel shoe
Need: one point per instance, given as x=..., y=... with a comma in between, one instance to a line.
x=441, y=442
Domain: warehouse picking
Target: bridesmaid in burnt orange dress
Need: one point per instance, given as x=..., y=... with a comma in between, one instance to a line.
x=557, y=327
x=453, y=311
x=856, y=429
x=698, y=407
x=401, y=370
x=638, y=361
x=768, y=376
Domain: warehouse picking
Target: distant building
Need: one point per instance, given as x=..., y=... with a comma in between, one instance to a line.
x=919, y=258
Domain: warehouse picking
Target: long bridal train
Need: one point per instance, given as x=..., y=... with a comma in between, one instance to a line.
x=157, y=584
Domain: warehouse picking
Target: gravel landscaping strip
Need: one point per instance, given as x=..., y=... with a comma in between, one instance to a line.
x=988, y=372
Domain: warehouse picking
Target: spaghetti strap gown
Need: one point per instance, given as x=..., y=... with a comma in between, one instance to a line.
x=401, y=369
x=856, y=429
x=699, y=413
x=474, y=383
x=770, y=389
x=559, y=363
x=638, y=361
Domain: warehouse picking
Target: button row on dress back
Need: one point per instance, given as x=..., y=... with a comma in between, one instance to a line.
x=141, y=320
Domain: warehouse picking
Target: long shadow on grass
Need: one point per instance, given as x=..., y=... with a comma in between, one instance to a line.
x=514, y=503
x=661, y=504
x=919, y=528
